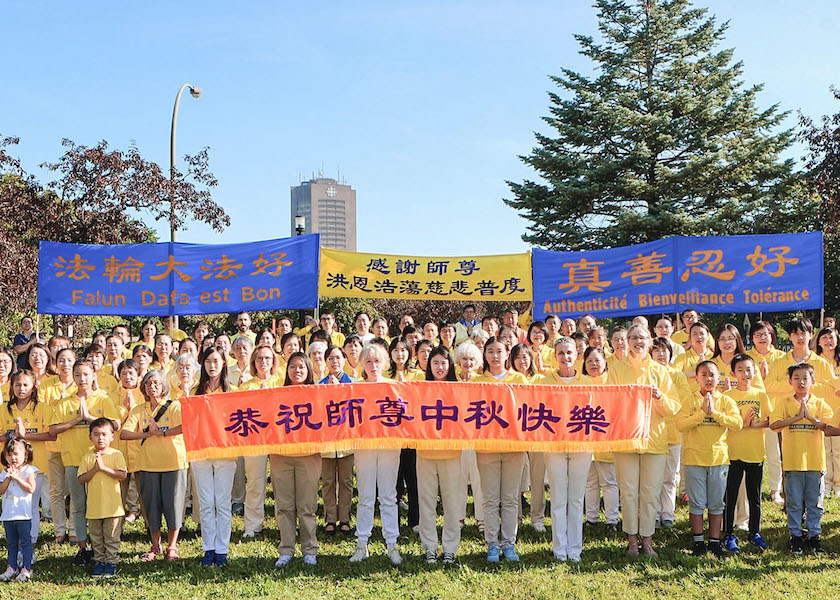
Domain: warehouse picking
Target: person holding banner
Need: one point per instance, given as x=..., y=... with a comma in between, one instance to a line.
x=214, y=477
x=295, y=478
x=440, y=469
x=263, y=373
x=640, y=474
x=602, y=471
x=161, y=462
x=501, y=472
x=376, y=470
x=337, y=467
x=468, y=360
x=567, y=471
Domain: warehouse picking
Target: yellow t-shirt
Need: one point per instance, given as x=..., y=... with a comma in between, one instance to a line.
x=778, y=382
x=748, y=443
x=129, y=448
x=772, y=355
x=35, y=420
x=681, y=337
x=510, y=377
x=248, y=334
x=107, y=383
x=133, y=345
x=704, y=443
x=802, y=443
x=726, y=372
x=178, y=335
x=682, y=391
x=649, y=372
x=75, y=442
x=50, y=392
x=104, y=499
x=549, y=358
x=159, y=453
x=255, y=383
x=408, y=375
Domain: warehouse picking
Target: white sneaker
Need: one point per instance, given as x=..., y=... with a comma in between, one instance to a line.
x=310, y=559
x=539, y=527
x=448, y=558
x=24, y=575
x=284, y=560
x=8, y=574
x=777, y=498
x=394, y=555
x=249, y=535
x=360, y=554
x=431, y=557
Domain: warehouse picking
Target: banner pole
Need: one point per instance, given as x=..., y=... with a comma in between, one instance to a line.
x=822, y=318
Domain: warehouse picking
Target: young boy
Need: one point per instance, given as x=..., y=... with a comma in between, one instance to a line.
x=746, y=451
x=705, y=418
x=102, y=470
x=802, y=420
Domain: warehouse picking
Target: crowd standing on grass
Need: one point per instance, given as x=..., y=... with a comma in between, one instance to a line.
x=102, y=425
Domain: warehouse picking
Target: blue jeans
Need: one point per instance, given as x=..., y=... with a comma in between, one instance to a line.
x=804, y=492
x=19, y=537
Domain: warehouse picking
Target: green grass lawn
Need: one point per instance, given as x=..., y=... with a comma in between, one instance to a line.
x=605, y=572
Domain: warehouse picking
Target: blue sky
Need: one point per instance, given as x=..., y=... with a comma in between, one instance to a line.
x=422, y=107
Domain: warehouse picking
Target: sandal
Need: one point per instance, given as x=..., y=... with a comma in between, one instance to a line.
x=151, y=554
x=329, y=529
x=172, y=554
x=344, y=527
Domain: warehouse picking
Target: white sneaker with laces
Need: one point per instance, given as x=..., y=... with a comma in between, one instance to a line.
x=360, y=554
x=431, y=557
x=448, y=558
x=310, y=559
x=394, y=555
x=284, y=560
x=8, y=574
x=24, y=575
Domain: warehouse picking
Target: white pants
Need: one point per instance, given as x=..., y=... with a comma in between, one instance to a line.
x=214, y=482
x=639, y=483
x=255, y=476
x=470, y=476
x=773, y=461
x=670, y=484
x=601, y=477
x=832, y=464
x=376, y=470
x=446, y=475
x=536, y=465
x=567, y=474
x=501, y=478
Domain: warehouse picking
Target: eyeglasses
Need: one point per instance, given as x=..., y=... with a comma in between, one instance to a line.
x=636, y=338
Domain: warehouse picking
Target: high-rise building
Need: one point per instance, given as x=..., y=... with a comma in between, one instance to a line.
x=329, y=208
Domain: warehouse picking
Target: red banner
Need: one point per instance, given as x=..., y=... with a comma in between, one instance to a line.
x=420, y=414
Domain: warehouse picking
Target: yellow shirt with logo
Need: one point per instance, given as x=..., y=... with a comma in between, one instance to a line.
x=75, y=442
x=35, y=420
x=104, y=499
x=159, y=453
x=704, y=443
x=748, y=444
x=802, y=442
x=778, y=382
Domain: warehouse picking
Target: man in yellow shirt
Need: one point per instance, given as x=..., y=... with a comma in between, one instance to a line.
x=243, y=327
x=170, y=329
x=328, y=325
x=802, y=418
x=101, y=471
x=705, y=419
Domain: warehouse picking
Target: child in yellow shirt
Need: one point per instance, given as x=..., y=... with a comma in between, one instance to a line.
x=802, y=419
x=746, y=451
x=705, y=418
x=101, y=472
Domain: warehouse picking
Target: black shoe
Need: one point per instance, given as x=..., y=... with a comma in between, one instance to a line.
x=795, y=545
x=526, y=506
x=238, y=509
x=717, y=550
x=699, y=549
x=812, y=545
x=83, y=557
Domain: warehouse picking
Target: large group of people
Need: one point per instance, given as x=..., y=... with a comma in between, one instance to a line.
x=102, y=425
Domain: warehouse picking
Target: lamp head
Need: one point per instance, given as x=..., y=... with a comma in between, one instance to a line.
x=195, y=91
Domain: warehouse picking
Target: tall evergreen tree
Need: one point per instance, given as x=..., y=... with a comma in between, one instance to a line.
x=663, y=139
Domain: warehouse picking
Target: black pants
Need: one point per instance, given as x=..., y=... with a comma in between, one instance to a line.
x=407, y=483
x=753, y=473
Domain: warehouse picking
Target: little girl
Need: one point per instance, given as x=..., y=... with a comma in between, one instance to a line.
x=17, y=484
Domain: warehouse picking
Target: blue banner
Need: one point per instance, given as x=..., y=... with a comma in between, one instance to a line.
x=745, y=273
x=176, y=278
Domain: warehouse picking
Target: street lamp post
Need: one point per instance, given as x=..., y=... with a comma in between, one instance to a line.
x=195, y=92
